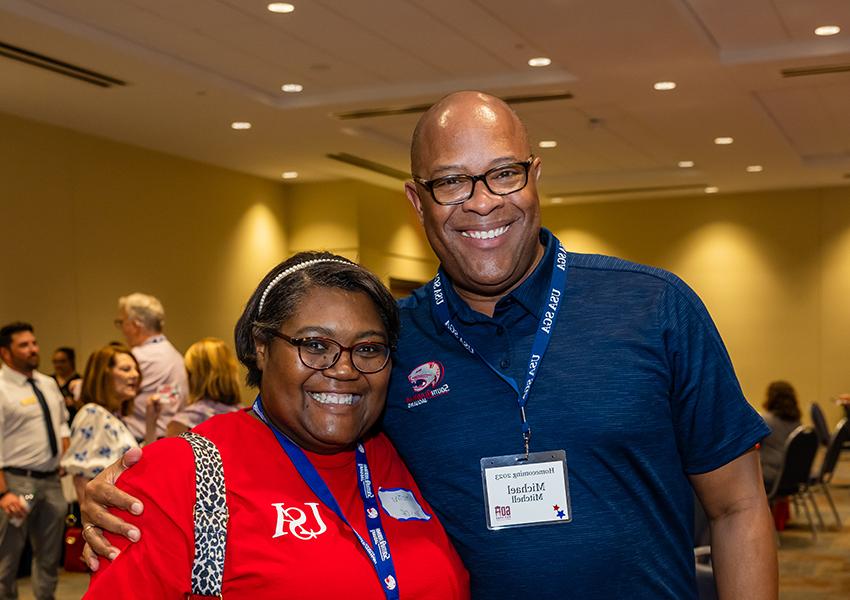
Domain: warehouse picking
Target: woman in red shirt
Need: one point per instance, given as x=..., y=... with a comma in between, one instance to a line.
x=306, y=500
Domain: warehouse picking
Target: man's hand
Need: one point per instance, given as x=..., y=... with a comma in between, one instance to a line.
x=101, y=494
x=11, y=505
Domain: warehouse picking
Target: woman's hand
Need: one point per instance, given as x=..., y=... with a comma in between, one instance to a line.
x=100, y=495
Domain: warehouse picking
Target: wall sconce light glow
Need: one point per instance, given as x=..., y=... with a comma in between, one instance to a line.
x=723, y=141
x=755, y=169
x=825, y=30
x=292, y=88
x=240, y=125
x=686, y=164
x=711, y=189
x=557, y=200
x=548, y=144
x=281, y=7
x=540, y=61
x=289, y=174
x=663, y=86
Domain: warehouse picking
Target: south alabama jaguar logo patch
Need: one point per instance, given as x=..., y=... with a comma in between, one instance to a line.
x=426, y=380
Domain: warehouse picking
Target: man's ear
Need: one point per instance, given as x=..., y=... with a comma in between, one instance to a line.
x=413, y=196
x=539, y=169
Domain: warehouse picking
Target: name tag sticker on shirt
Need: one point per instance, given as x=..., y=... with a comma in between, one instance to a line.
x=520, y=492
x=28, y=401
x=402, y=505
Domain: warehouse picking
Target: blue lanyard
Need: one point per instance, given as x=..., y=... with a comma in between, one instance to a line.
x=557, y=284
x=379, y=550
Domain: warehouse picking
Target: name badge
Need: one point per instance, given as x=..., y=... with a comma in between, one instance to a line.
x=520, y=492
x=29, y=400
x=401, y=504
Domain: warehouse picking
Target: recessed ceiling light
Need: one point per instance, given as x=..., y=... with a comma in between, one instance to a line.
x=281, y=7
x=755, y=169
x=289, y=174
x=663, y=86
x=540, y=61
x=828, y=30
x=548, y=144
x=292, y=88
x=240, y=125
x=686, y=164
x=723, y=141
x=712, y=189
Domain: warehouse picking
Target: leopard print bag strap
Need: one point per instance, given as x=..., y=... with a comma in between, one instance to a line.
x=211, y=518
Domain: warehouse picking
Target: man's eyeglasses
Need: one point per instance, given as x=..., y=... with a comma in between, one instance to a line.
x=322, y=353
x=457, y=189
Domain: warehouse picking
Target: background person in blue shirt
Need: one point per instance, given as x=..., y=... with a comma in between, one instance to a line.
x=635, y=386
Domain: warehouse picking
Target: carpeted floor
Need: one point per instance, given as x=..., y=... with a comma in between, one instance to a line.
x=818, y=569
x=808, y=569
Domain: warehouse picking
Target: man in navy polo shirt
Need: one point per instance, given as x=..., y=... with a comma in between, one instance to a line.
x=629, y=400
x=621, y=368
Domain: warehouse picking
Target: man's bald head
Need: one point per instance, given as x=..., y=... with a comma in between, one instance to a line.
x=457, y=111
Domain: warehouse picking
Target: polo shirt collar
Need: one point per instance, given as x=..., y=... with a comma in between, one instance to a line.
x=530, y=295
x=533, y=293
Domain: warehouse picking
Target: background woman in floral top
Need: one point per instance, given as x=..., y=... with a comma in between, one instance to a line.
x=98, y=437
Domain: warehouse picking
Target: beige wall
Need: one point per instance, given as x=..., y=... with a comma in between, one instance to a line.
x=773, y=268
x=86, y=220
x=375, y=226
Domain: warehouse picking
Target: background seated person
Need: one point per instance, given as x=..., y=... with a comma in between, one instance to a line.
x=783, y=417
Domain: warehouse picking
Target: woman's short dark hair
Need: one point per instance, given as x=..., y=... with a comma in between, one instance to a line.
x=276, y=300
x=782, y=401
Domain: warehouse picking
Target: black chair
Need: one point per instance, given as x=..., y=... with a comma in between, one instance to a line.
x=819, y=422
x=821, y=479
x=794, y=476
x=846, y=408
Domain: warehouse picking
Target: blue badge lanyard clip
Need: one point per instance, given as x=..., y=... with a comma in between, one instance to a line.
x=549, y=312
x=378, y=550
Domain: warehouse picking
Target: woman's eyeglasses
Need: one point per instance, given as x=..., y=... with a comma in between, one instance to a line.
x=321, y=353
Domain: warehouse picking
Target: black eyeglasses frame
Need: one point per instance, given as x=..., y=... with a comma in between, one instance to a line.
x=428, y=184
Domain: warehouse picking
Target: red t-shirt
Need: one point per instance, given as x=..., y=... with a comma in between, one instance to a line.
x=281, y=540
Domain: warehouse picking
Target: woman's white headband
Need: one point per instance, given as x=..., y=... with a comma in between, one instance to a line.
x=285, y=273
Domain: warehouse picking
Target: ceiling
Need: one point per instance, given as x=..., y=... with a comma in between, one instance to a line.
x=193, y=67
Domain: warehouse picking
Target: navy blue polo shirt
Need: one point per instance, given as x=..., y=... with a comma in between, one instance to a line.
x=636, y=387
